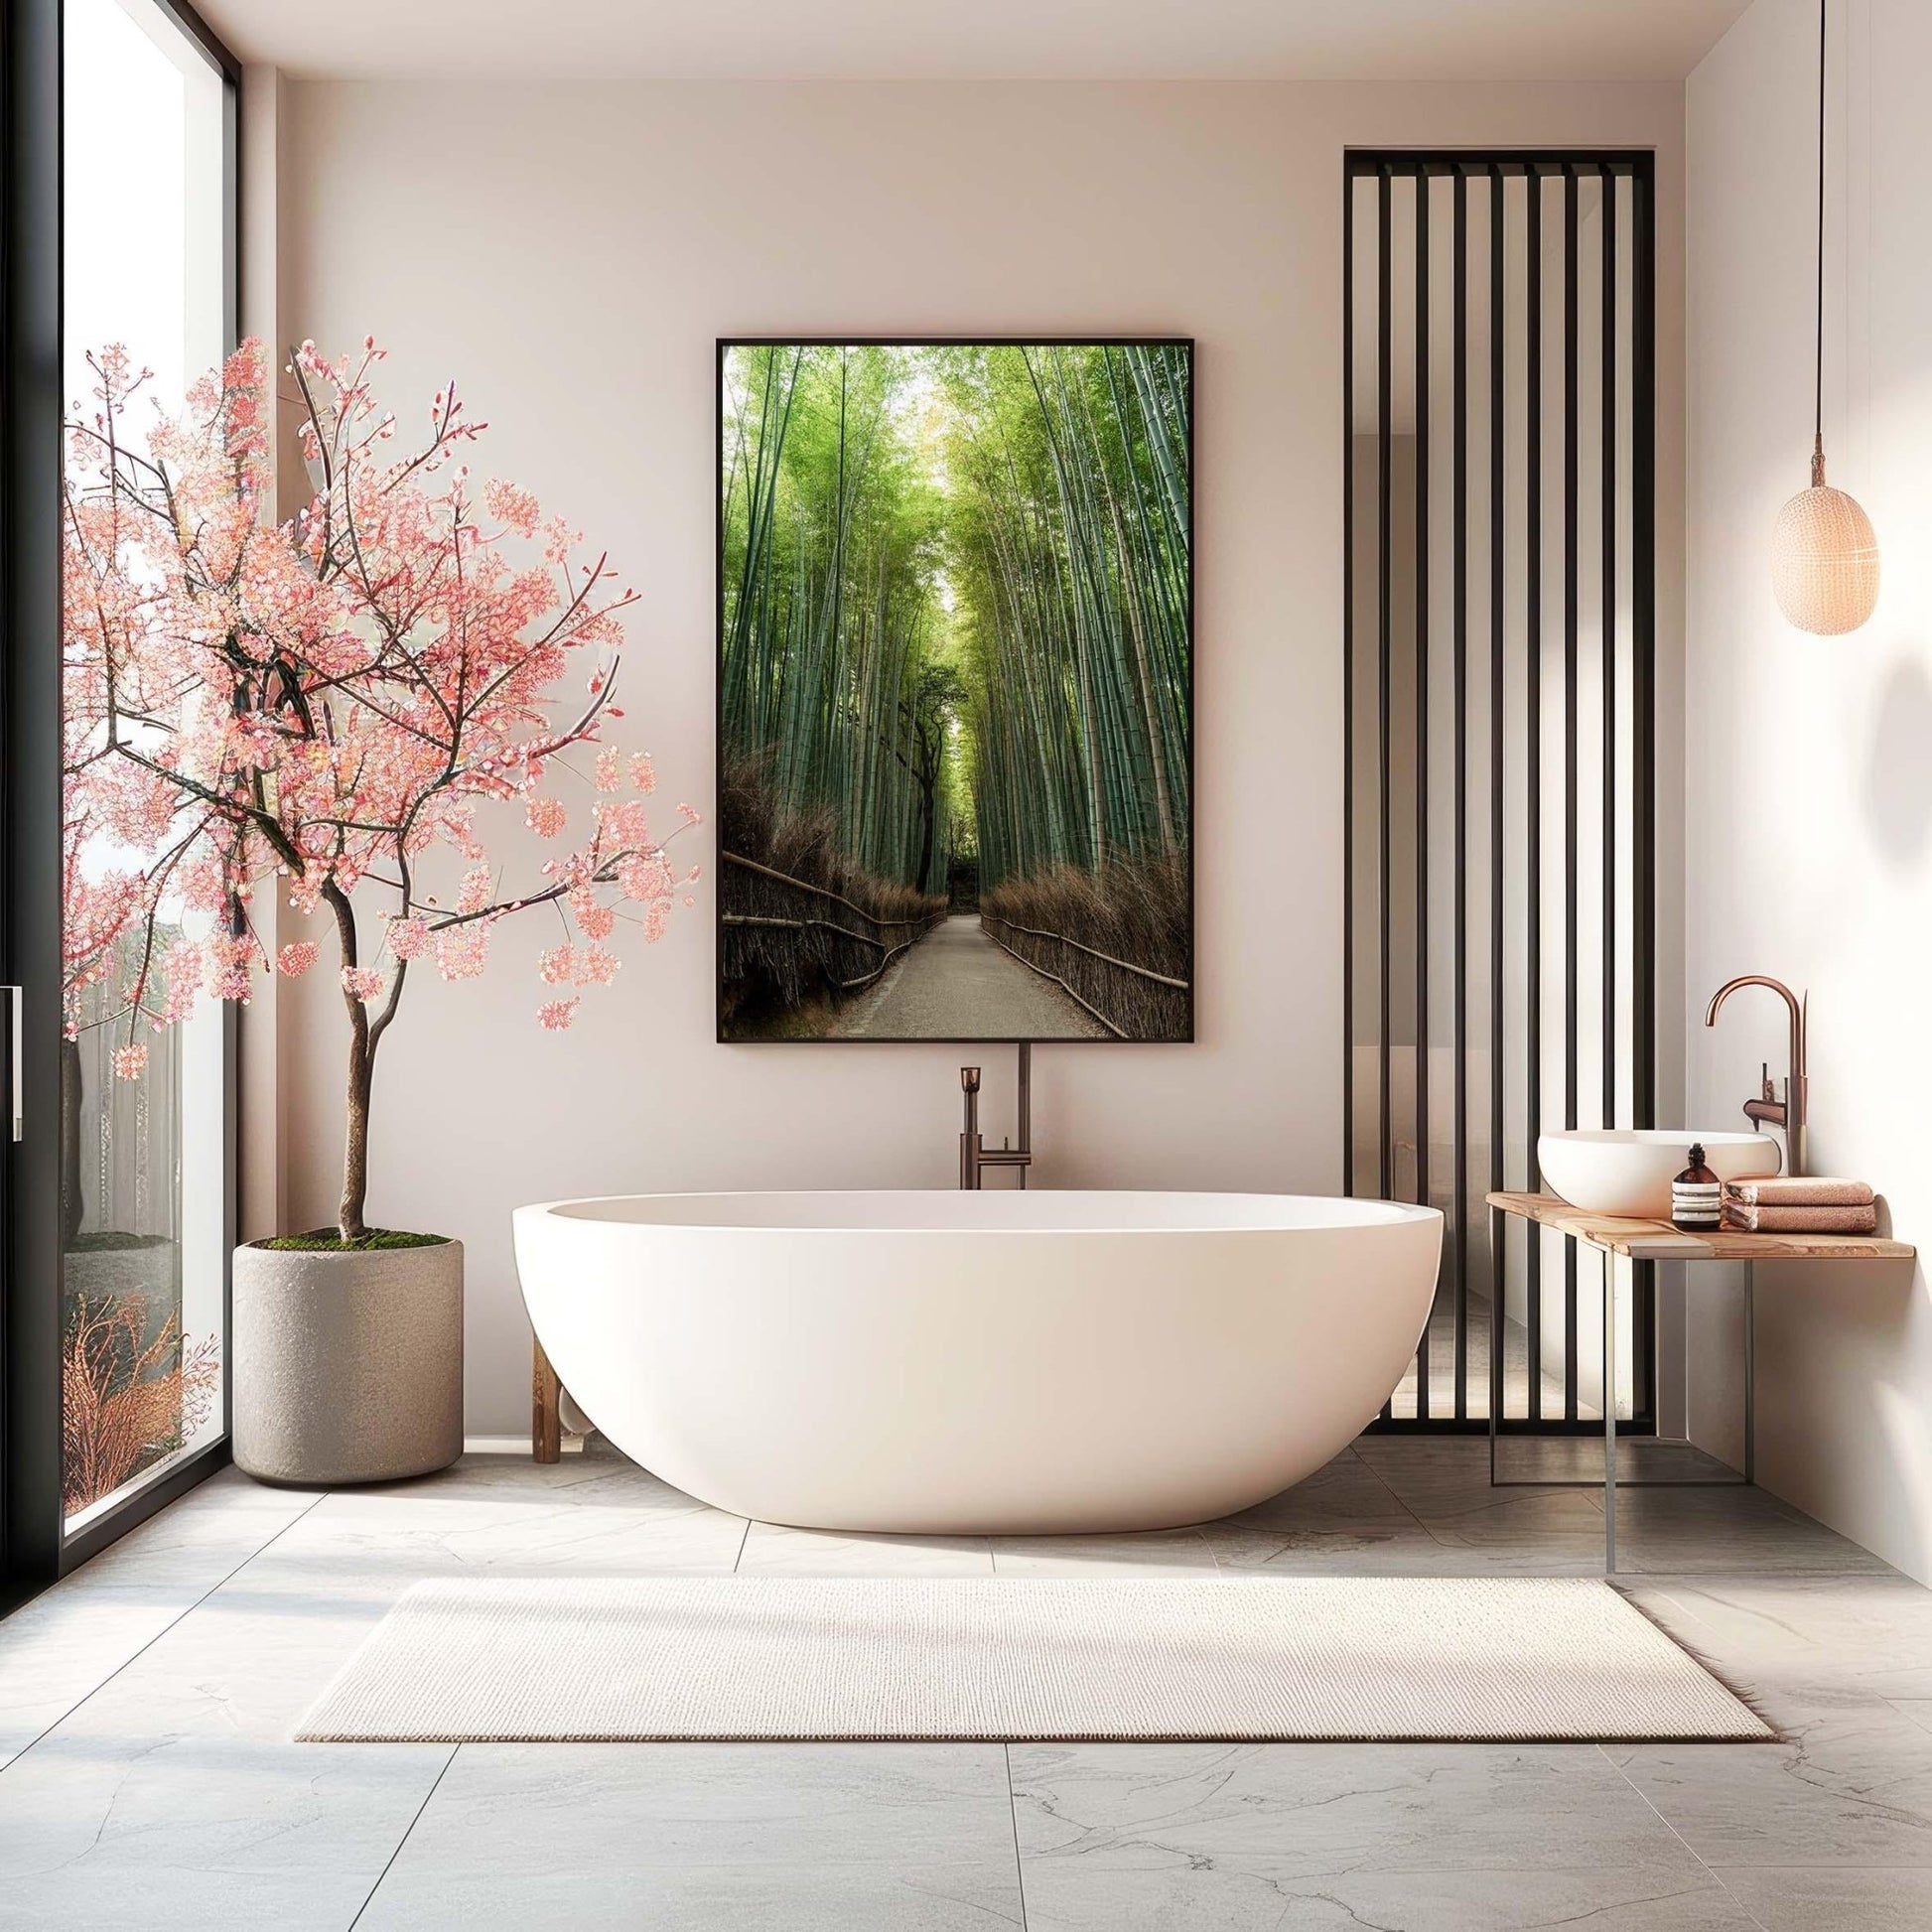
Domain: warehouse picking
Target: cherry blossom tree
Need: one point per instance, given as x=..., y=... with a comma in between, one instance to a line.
x=326, y=709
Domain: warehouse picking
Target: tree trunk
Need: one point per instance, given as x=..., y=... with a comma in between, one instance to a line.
x=355, y=1150
x=362, y=1068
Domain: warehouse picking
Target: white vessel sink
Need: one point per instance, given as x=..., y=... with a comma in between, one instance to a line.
x=1628, y=1172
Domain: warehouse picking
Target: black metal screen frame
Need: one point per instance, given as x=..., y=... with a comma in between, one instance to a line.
x=1469, y=172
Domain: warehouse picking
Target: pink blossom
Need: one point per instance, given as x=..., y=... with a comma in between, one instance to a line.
x=478, y=884
x=296, y=957
x=609, y=768
x=643, y=775
x=408, y=937
x=184, y=980
x=594, y=919
x=516, y=508
x=557, y=1015
x=644, y=876
x=558, y=966
x=546, y=817
x=130, y=1062
x=462, y=951
x=362, y=982
x=596, y=966
x=627, y=823
x=690, y=815
x=226, y=963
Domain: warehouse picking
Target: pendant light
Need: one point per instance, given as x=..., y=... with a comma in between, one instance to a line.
x=1824, y=555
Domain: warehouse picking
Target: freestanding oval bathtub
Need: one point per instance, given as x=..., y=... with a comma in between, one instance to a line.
x=977, y=1362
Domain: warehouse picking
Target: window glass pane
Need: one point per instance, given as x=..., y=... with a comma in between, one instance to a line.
x=143, y=1192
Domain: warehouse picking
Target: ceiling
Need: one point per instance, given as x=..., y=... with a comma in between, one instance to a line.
x=1314, y=40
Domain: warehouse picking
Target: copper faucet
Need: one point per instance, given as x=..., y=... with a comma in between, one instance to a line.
x=974, y=1157
x=1766, y=1109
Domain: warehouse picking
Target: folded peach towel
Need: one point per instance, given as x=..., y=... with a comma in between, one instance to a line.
x=1800, y=1220
x=1799, y=1190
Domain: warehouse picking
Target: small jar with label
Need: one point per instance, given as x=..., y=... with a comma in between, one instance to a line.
x=1696, y=1197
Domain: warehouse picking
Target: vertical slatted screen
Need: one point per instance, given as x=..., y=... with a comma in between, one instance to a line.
x=1499, y=632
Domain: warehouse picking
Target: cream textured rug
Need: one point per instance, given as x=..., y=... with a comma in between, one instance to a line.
x=1077, y=1659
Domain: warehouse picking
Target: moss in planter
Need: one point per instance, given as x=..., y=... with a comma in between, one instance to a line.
x=326, y=1241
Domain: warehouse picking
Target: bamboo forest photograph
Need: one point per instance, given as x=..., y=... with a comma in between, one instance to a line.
x=955, y=697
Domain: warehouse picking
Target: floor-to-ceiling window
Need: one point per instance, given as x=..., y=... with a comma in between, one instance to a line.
x=146, y=198
x=121, y=210
x=145, y=256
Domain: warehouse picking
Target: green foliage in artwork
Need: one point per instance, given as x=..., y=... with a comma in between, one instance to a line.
x=956, y=608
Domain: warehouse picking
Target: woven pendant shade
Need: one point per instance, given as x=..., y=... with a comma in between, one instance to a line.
x=1824, y=562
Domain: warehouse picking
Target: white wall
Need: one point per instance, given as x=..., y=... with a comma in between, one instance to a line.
x=1809, y=760
x=570, y=252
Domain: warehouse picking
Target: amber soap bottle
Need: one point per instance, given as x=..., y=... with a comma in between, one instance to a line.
x=1696, y=1197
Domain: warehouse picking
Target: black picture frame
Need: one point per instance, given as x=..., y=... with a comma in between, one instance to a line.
x=725, y=344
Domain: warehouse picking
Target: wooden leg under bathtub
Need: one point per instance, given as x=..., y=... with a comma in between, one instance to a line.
x=546, y=1423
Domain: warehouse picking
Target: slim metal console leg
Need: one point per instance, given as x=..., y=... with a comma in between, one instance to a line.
x=1751, y=1371
x=1497, y=1381
x=1609, y=1422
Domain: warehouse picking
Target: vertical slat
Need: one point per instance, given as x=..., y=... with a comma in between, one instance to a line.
x=1609, y=420
x=1348, y=592
x=1382, y=649
x=1532, y=690
x=1459, y=593
x=1499, y=1247
x=1643, y=625
x=1384, y=1147
x=1422, y=747
x=1644, y=622
x=1570, y=476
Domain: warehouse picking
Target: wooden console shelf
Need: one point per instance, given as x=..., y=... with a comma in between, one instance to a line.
x=1659, y=1241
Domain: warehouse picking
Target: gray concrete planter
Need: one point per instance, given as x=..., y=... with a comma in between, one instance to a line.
x=347, y=1367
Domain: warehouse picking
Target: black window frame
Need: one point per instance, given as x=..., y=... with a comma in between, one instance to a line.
x=36, y=1547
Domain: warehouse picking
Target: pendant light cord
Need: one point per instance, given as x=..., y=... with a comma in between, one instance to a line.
x=1818, y=371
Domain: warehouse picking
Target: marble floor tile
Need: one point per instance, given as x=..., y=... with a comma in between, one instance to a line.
x=68, y=1641
x=1791, y=1899
x=1919, y=1709
x=619, y=1528
x=1150, y=1552
x=772, y=1550
x=204, y=1834
x=1695, y=1531
x=686, y=1837
x=1320, y=1808
x=1852, y=1789
x=199, y=1538
x=1817, y=1642
x=1252, y=1899
x=1393, y=1551
x=1445, y=1482
x=1177, y=1836
x=1344, y=1493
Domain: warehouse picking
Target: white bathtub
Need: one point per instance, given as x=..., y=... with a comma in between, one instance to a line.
x=979, y=1362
